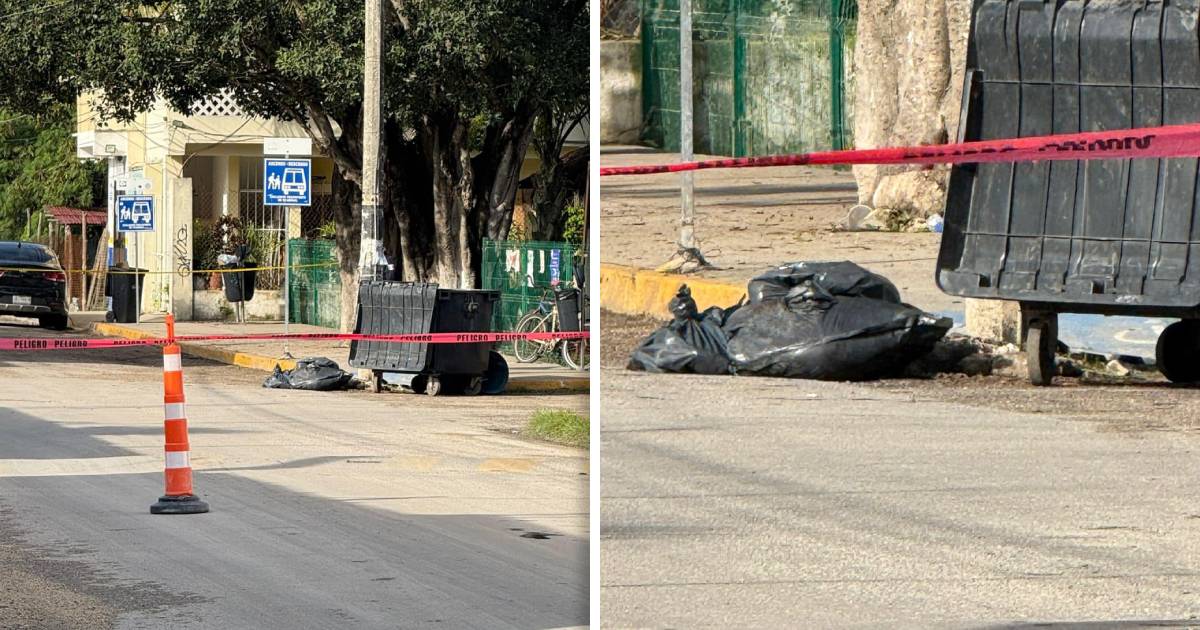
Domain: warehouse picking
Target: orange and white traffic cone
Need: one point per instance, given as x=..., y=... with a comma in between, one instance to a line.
x=179, y=498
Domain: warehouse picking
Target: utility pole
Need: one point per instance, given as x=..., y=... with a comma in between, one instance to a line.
x=687, y=237
x=372, y=87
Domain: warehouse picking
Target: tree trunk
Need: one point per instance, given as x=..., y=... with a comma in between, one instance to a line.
x=347, y=218
x=556, y=182
x=439, y=201
x=498, y=172
x=447, y=151
x=909, y=60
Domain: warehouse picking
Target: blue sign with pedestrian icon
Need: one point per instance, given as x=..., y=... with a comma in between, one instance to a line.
x=287, y=182
x=135, y=213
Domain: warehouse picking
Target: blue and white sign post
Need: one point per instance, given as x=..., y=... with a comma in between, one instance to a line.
x=135, y=213
x=287, y=182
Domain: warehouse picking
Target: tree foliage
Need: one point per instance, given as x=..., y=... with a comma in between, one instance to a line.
x=464, y=81
x=38, y=167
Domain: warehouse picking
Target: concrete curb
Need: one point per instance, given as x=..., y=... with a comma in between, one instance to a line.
x=267, y=364
x=633, y=291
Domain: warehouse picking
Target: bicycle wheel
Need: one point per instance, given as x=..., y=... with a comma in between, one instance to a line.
x=575, y=353
x=528, y=350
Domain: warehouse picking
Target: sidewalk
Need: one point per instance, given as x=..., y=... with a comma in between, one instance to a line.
x=258, y=355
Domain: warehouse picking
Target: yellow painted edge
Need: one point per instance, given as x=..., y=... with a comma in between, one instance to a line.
x=633, y=291
x=267, y=364
x=220, y=355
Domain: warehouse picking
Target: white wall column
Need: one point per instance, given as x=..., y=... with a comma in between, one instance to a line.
x=181, y=248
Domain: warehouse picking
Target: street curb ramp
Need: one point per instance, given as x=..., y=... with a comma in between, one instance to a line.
x=633, y=291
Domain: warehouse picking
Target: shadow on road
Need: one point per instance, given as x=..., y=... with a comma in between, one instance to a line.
x=268, y=555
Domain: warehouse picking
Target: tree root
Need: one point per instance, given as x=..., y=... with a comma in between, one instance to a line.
x=685, y=260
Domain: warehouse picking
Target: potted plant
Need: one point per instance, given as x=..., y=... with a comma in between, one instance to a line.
x=205, y=247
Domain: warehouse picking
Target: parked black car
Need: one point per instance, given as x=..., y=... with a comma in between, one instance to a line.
x=32, y=284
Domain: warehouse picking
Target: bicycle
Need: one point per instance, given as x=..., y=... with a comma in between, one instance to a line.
x=545, y=318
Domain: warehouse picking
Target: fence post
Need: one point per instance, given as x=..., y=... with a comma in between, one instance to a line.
x=837, y=74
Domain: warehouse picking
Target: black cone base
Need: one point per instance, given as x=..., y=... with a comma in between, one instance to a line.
x=187, y=504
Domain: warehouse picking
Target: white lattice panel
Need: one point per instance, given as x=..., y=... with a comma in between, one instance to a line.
x=220, y=105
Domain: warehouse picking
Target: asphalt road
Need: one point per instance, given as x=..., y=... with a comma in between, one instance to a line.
x=329, y=510
x=766, y=503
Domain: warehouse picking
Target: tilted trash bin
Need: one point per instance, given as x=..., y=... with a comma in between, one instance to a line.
x=402, y=308
x=1111, y=237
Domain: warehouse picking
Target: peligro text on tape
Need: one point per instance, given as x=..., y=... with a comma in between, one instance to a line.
x=50, y=343
x=1146, y=142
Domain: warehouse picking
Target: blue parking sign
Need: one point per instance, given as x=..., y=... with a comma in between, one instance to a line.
x=135, y=213
x=287, y=182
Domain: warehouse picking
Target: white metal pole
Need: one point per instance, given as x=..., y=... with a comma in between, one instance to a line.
x=137, y=287
x=287, y=280
x=687, y=238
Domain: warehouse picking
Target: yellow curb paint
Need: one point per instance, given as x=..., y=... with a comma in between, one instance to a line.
x=505, y=464
x=633, y=291
x=220, y=355
x=267, y=364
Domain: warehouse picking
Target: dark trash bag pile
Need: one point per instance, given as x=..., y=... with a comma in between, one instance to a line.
x=816, y=320
x=317, y=374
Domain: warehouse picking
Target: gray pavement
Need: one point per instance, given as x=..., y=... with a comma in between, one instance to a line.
x=767, y=503
x=329, y=510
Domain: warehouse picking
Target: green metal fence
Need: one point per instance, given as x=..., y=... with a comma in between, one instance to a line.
x=522, y=271
x=770, y=76
x=314, y=293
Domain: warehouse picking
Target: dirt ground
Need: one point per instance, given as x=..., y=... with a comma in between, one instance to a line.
x=1147, y=403
x=748, y=220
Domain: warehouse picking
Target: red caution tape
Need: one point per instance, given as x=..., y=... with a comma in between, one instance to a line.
x=26, y=344
x=1148, y=142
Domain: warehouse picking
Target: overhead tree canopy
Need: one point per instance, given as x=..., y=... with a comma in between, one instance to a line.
x=38, y=167
x=464, y=82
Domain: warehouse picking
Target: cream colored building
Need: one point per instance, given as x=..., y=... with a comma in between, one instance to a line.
x=198, y=167
x=205, y=166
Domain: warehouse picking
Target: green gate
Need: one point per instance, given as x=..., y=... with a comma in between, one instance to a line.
x=314, y=293
x=769, y=75
x=522, y=271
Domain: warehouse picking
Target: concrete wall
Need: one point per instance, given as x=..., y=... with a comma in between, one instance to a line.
x=207, y=306
x=620, y=91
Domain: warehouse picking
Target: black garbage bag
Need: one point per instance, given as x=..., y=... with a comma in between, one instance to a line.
x=846, y=339
x=692, y=343
x=830, y=321
x=317, y=374
x=791, y=281
x=817, y=320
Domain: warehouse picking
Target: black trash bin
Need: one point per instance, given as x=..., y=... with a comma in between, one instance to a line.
x=239, y=285
x=1110, y=237
x=125, y=285
x=570, y=309
x=387, y=307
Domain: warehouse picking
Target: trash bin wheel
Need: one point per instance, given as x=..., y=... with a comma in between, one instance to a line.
x=376, y=384
x=474, y=386
x=1176, y=352
x=433, y=385
x=110, y=317
x=1041, y=342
